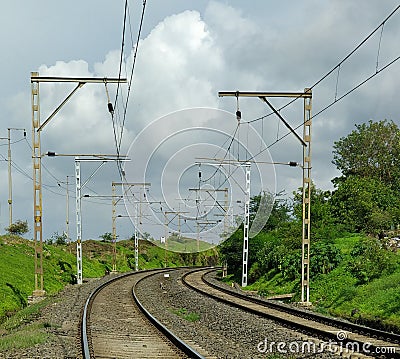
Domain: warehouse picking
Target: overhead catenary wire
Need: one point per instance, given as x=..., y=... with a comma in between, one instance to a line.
x=110, y=107
x=135, y=48
x=319, y=112
x=118, y=135
x=337, y=67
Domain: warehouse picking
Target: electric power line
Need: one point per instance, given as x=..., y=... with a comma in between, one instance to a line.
x=338, y=66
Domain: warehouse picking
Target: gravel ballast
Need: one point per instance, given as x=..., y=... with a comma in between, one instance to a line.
x=223, y=331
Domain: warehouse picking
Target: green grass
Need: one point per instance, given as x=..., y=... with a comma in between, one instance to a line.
x=27, y=337
x=338, y=293
x=272, y=283
x=59, y=265
x=17, y=331
x=185, y=314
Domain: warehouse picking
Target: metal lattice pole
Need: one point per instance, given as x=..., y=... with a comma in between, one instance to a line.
x=114, y=228
x=305, y=260
x=78, y=221
x=37, y=190
x=136, y=237
x=136, y=221
x=306, y=143
x=67, y=213
x=37, y=127
x=9, y=179
x=246, y=227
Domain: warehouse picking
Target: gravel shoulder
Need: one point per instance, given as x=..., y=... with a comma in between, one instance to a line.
x=61, y=318
x=223, y=331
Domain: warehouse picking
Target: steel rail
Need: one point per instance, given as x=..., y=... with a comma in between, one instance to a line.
x=85, y=341
x=187, y=349
x=360, y=329
x=292, y=311
x=87, y=352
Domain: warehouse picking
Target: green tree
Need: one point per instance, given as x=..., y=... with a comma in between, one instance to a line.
x=365, y=204
x=325, y=257
x=58, y=239
x=231, y=252
x=268, y=213
x=366, y=195
x=18, y=228
x=372, y=150
x=323, y=221
x=107, y=237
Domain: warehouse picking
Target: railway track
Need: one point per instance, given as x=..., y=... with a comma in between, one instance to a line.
x=116, y=325
x=351, y=340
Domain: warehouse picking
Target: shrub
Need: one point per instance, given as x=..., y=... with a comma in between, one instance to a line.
x=18, y=228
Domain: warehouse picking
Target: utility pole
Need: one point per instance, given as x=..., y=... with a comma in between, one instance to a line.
x=92, y=158
x=129, y=186
x=8, y=138
x=246, y=227
x=247, y=165
x=78, y=187
x=176, y=213
x=225, y=215
x=306, y=143
x=37, y=127
x=114, y=227
x=67, y=213
x=166, y=238
x=78, y=201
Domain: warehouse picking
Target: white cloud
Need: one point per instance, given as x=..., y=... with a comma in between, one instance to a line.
x=186, y=59
x=176, y=67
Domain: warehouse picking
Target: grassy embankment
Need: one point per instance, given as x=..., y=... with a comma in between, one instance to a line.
x=339, y=293
x=17, y=330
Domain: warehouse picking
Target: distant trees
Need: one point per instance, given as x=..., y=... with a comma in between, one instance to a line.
x=372, y=150
x=18, y=228
x=366, y=196
x=58, y=239
x=106, y=237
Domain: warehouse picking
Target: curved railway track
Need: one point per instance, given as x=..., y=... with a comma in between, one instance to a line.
x=346, y=335
x=116, y=325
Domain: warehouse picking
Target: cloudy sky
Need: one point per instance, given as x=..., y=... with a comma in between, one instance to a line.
x=188, y=51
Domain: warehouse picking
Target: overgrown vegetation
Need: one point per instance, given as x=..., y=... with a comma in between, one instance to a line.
x=354, y=264
x=17, y=326
x=59, y=262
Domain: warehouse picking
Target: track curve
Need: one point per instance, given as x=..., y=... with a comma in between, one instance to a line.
x=116, y=325
x=309, y=323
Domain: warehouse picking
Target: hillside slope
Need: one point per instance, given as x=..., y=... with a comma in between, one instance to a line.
x=59, y=265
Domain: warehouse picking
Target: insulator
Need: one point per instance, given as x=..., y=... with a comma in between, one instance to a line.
x=292, y=164
x=110, y=107
x=238, y=115
x=51, y=154
x=199, y=174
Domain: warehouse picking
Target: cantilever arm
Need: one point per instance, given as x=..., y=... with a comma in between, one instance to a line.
x=283, y=120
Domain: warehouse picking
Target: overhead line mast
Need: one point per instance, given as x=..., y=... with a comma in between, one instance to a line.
x=37, y=127
x=306, y=206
